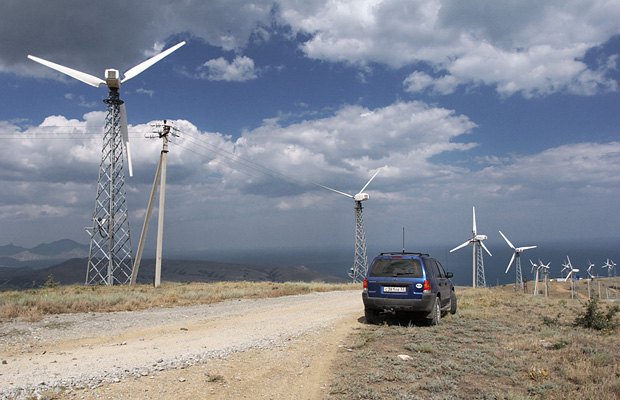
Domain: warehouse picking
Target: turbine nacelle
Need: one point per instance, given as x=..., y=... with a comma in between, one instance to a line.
x=112, y=78
x=480, y=237
x=361, y=197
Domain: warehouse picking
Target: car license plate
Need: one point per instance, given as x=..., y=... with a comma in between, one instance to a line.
x=394, y=289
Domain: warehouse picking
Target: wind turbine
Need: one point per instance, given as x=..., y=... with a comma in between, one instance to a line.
x=360, y=259
x=570, y=273
x=567, y=266
x=536, y=267
x=109, y=258
x=478, y=278
x=516, y=257
x=590, y=265
x=609, y=264
x=545, y=271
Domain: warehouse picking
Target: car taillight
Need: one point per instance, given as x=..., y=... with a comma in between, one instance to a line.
x=365, y=284
x=427, y=286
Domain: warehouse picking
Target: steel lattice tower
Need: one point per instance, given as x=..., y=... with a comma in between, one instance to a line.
x=480, y=278
x=360, y=259
x=109, y=258
x=518, y=274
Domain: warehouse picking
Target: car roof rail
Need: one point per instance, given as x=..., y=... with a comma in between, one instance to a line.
x=394, y=253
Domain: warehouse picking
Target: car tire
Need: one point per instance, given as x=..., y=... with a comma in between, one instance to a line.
x=452, y=302
x=434, y=317
x=372, y=316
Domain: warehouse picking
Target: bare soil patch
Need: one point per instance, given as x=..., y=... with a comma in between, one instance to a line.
x=286, y=342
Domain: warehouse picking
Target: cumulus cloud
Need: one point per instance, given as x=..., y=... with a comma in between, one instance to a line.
x=420, y=81
x=219, y=69
x=213, y=178
x=579, y=167
x=528, y=47
x=111, y=34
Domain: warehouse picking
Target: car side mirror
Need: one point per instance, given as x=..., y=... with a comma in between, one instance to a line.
x=449, y=275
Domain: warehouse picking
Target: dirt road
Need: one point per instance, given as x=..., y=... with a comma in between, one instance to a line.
x=257, y=349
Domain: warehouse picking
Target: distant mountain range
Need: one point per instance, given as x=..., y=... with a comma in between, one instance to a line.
x=66, y=261
x=42, y=255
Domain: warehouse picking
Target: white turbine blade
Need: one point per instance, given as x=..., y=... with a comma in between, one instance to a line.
x=80, y=76
x=132, y=72
x=510, y=263
x=473, y=227
x=485, y=247
x=370, y=180
x=532, y=262
x=125, y=136
x=507, y=241
x=460, y=246
x=334, y=190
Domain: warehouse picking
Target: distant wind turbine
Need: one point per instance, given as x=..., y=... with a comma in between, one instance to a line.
x=589, y=270
x=478, y=277
x=360, y=259
x=516, y=257
x=568, y=266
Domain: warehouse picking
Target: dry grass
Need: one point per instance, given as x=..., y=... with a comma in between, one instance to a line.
x=500, y=345
x=31, y=305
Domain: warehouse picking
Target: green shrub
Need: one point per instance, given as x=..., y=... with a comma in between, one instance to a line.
x=594, y=318
x=51, y=282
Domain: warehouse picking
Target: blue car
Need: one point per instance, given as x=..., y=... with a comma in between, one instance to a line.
x=408, y=283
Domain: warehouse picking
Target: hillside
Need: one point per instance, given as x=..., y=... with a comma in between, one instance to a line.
x=73, y=271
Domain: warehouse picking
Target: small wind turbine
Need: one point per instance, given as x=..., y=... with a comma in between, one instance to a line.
x=360, y=260
x=516, y=257
x=109, y=258
x=478, y=278
x=572, y=283
x=568, y=266
x=536, y=267
x=589, y=270
x=545, y=271
x=610, y=265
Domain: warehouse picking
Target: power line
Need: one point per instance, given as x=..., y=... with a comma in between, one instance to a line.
x=197, y=145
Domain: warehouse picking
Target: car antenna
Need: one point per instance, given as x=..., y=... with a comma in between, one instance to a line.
x=403, y=240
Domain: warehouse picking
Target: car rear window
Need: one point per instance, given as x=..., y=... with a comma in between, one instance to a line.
x=401, y=267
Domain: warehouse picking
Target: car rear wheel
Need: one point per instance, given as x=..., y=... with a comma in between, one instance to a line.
x=435, y=315
x=452, y=303
x=372, y=316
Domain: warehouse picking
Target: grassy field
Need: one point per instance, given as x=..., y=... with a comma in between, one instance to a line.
x=501, y=344
x=32, y=304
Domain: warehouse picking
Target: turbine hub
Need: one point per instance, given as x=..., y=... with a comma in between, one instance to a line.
x=112, y=78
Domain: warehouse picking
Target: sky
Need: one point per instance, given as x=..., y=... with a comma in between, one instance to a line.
x=508, y=106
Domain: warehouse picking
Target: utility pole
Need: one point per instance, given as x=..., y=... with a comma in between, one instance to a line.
x=159, y=182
